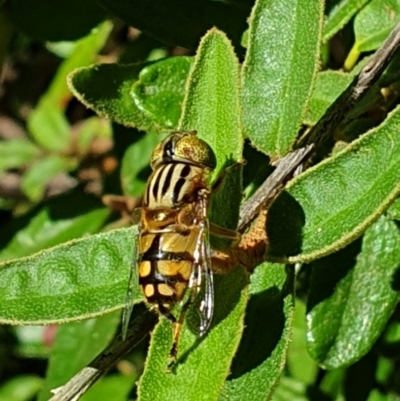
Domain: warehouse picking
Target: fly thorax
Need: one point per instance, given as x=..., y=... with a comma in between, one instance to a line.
x=159, y=218
x=173, y=184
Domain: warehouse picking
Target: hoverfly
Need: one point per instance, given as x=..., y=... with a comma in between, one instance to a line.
x=173, y=252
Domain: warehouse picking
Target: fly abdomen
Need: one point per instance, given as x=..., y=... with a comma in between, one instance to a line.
x=164, y=276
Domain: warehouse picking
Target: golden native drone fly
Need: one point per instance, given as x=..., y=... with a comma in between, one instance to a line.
x=173, y=252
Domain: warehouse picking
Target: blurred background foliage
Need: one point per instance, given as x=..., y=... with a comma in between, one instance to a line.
x=58, y=160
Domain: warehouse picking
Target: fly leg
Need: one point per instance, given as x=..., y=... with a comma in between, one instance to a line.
x=212, y=228
x=225, y=233
x=177, y=325
x=176, y=332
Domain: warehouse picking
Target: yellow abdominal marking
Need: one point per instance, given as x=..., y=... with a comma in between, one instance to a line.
x=144, y=268
x=170, y=268
x=149, y=290
x=165, y=290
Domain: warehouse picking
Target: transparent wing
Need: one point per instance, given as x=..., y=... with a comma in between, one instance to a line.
x=133, y=280
x=206, y=307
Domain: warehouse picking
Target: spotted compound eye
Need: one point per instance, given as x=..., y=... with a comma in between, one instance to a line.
x=184, y=147
x=194, y=150
x=157, y=155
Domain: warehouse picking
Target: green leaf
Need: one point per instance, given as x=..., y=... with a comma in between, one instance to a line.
x=35, y=179
x=61, y=49
x=77, y=280
x=331, y=384
x=47, y=122
x=383, y=369
x=49, y=127
x=339, y=15
x=291, y=390
x=62, y=219
x=211, y=107
x=182, y=22
x=113, y=387
x=16, y=153
x=160, y=89
x=92, y=128
x=75, y=346
x=261, y=356
x=106, y=88
x=52, y=19
x=135, y=167
x=374, y=22
x=352, y=297
x=279, y=71
x=300, y=365
x=329, y=85
x=85, y=52
x=32, y=341
x=394, y=210
x=20, y=388
x=203, y=364
x=376, y=395
x=333, y=203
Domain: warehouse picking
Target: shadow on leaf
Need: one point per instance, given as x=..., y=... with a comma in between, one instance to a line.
x=285, y=222
x=327, y=272
x=228, y=290
x=264, y=326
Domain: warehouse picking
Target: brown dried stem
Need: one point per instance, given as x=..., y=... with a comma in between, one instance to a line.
x=84, y=379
